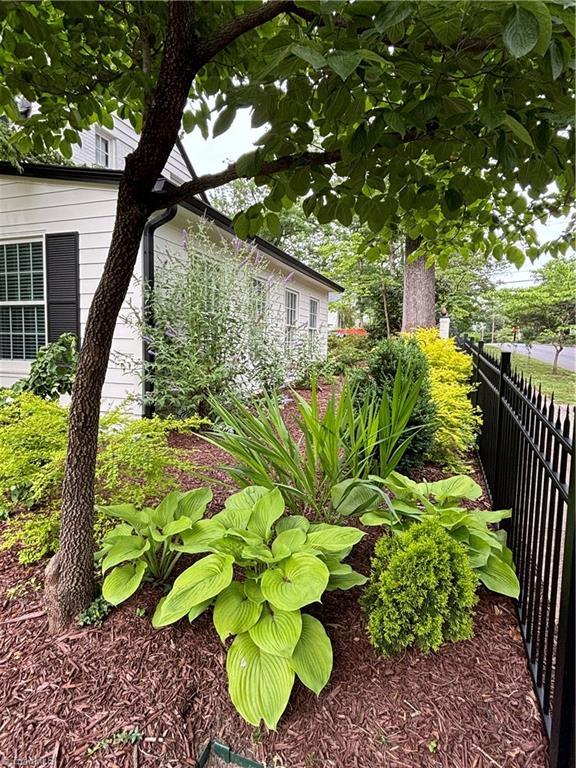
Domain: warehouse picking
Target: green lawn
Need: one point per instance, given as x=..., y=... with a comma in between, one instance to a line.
x=562, y=384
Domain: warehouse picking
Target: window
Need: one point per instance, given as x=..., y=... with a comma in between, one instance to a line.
x=313, y=315
x=291, y=302
x=259, y=298
x=102, y=151
x=22, y=311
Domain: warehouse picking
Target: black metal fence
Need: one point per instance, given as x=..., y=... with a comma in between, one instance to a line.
x=526, y=449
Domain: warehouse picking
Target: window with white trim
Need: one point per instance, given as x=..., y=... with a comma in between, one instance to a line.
x=103, y=151
x=313, y=316
x=291, y=303
x=22, y=303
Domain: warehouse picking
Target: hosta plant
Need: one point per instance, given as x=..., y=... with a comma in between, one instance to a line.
x=143, y=545
x=261, y=569
x=439, y=501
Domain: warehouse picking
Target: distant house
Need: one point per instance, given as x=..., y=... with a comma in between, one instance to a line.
x=55, y=229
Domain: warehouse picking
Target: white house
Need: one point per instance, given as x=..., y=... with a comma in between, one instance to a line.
x=55, y=228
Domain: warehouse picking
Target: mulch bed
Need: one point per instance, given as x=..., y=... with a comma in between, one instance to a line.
x=468, y=706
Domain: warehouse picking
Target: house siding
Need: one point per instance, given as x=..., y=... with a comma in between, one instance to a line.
x=32, y=208
x=125, y=140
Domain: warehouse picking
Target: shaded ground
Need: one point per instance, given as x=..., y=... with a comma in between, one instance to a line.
x=468, y=706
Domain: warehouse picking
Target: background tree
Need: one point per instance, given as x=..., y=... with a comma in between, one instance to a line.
x=366, y=103
x=548, y=309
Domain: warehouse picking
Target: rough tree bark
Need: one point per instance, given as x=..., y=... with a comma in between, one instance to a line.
x=69, y=575
x=419, y=291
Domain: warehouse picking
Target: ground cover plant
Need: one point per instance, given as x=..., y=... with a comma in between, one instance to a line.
x=386, y=358
x=349, y=438
x=440, y=501
x=262, y=569
x=421, y=591
x=134, y=461
x=457, y=420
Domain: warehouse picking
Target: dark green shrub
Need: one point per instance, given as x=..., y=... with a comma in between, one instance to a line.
x=346, y=352
x=385, y=359
x=421, y=591
x=52, y=372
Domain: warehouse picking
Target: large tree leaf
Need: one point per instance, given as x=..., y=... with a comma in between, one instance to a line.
x=234, y=612
x=125, y=548
x=520, y=34
x=297, y=581
x=122, y=582
x=312, y=657
x=519, y=130
x=259, y=683
x=333, y=538
x=277, y=632
x=202, y=581
x=499, y=576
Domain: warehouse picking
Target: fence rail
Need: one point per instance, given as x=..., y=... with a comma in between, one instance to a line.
x=526, y=449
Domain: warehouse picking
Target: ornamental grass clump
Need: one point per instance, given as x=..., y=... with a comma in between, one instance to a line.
x=421, y=591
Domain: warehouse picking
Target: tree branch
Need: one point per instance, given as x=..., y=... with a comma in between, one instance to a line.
x=214, y=180
x=215, y=43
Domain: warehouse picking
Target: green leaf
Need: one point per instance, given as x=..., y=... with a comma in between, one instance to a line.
x=259, y=683
x=520, y=34
x=234, y=612
x=192, y=504
x=200, y=537
x=202, y=581
x=197, y=610
x=128, y=512
x=310, y=55
x=223, y=121
x=370, y=519
x=518, y=130
x=344, y=63
x=515, y=255
x=273, y=224
x=312, y=658
x=455, y=487
x=241, y=226
x=188, y=121
x=556, y=59
x=266, y=511
x=345, y=578
x=296, y=582
x=288, y=541
x=277, y=632
x=125, y=548
x=292, y=521
x=166, y=510
x=544, y=21
x=499, y=576
x=454, y=199
x=333, y=538
x=253, y=591
x=122, y=582
x=391, y=13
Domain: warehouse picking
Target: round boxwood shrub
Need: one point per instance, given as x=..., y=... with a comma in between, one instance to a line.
x=421, y=591
x=385, y=358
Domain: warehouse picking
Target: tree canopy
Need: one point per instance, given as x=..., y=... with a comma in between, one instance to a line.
x=450, y=122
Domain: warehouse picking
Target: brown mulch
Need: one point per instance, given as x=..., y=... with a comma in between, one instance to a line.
x=468, y=706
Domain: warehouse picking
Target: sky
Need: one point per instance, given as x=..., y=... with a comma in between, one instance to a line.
x=213, y=155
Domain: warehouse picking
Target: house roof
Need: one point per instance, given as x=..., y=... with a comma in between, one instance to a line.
x=193, y=204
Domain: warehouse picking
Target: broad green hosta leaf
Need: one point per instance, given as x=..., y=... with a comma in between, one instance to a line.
x=333, y=538
x=177, y=526
x=312, y=657
x=479, y=550
x=202, y=581
x=259, y=683
x=125, y=548
x=138, y=518
x=266, y=511
x=277, y=632
x=201, y=537
x=297, y=581
x=345, y=577
x=253, y=591
x=122, y=582
x=238, y=507
x=288, y=541
x=192, y=504
x=197, y=610
x=499, y=576
x=457, y=487
x=166, y=510
x=375, y=518
x=290, y=522
x=451, y=518
x=234, y=612
x=351, y=497
x=492, y=515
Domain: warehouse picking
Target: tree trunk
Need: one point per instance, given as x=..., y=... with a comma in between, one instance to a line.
x=556, y=356
x=385, y=307
x=419, y=291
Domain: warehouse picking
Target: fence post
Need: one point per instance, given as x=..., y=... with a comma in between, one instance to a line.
x=505, y=368
x=479, y=353
x=562, y=736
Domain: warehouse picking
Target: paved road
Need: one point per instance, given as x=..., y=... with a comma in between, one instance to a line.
x=546, y=352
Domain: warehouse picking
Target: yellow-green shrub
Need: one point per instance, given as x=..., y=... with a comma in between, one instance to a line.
x=458, y=421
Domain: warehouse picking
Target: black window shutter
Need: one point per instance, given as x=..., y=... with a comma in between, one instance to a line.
x=62, y=282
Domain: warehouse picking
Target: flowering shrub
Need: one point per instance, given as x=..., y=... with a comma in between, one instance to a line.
x=458, y=420
x=215, y=322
